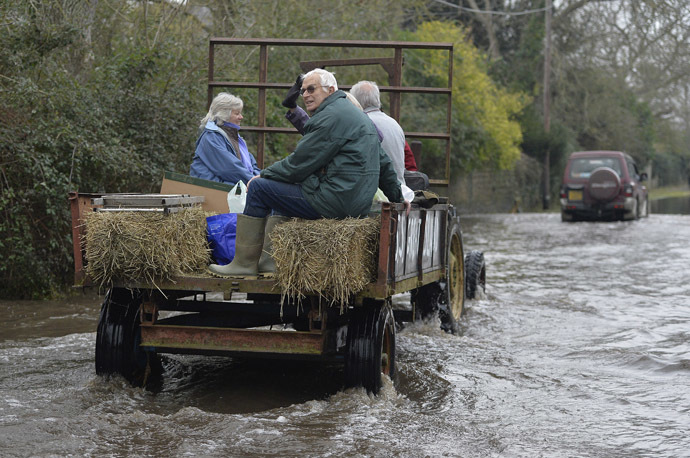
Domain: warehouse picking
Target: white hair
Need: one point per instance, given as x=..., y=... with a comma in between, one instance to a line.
x=327, y=79
x=367, y=93
x=221, y=108
x=352, y=99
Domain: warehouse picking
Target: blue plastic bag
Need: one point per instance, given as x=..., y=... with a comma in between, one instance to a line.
x=221, y=236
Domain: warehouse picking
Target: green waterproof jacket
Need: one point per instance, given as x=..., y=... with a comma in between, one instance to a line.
x=339, y=162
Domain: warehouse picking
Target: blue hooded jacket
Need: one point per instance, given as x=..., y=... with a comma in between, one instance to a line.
x=215, y=158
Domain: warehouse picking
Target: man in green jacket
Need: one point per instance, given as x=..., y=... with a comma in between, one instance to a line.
x=333, y=173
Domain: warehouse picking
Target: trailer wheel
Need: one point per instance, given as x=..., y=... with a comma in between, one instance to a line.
x=117, y=341
x=447, y=296
x=370, y=348
x=475, y=273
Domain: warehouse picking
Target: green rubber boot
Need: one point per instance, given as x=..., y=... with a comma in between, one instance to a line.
x=248, y=244
x=267, y=265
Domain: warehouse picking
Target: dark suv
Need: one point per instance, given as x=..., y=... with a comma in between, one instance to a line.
x=603, y=185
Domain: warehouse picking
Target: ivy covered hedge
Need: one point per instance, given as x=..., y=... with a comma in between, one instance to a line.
x=71, y=120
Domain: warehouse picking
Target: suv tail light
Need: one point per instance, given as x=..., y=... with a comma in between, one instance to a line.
x=628, y=190
x=563, y=193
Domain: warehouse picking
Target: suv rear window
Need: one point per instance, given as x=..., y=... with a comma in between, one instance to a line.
x=583, y=167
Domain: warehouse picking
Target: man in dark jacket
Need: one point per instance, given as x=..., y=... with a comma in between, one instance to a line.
x=333, y=173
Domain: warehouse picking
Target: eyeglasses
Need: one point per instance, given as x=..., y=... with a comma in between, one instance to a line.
x=309, y=89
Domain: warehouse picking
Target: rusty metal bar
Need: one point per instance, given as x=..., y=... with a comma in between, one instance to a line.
x=337, y=43
x=211, y=63
x=80, y=203
x=386, y=62
x=437, y=135
x=290, y=130
x=214, y=339
x=385, y=244
x=449, y=113
x=396, y=80
x=394, y=71
x=272, y=130
x=261, y=136
x=345, y=87
x=77, y=232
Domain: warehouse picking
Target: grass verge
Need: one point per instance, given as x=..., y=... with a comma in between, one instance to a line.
x=669, y=191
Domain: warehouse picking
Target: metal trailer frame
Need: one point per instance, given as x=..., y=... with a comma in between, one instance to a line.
x=421, y=253
x=393, y=67
x=412, y=253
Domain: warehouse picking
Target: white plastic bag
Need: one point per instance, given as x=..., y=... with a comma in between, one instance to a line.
x=236, y=201
x=408, y=194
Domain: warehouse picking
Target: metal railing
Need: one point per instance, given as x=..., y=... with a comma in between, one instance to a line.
x=393, y=67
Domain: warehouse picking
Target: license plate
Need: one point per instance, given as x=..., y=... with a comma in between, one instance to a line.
x=574, y=195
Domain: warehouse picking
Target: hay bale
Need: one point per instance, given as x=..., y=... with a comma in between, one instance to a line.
x=145, y=246
x=331, y=258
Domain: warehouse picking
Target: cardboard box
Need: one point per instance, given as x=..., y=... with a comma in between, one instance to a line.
x=215, y=194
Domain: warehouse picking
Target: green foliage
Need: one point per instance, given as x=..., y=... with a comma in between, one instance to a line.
x=559, y=142
x=522, y=44
x=604, y=113
x=116, y=127
x=536, y=141
x=670, y=159
x=485, y=131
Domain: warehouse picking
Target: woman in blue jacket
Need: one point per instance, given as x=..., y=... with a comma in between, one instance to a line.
x=221, y=153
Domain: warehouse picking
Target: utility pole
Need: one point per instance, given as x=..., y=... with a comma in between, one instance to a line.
x=546, y=200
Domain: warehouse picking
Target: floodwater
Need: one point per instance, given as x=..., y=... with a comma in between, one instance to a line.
x=579, y=348
x=675, y=205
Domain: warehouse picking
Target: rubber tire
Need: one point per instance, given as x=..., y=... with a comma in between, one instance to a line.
x=438, y=297
x=117, y=341
x=475, y=273
x=370, y=347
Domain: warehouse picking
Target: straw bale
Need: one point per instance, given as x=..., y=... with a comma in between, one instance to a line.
x=145, y=246
x=331, y=258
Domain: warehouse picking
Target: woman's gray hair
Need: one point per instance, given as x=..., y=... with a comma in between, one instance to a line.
x=327, y=79
x=367, y=93
x=221, y=108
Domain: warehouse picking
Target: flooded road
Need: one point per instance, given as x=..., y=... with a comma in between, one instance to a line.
x=671, y=205
x=580, y=347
